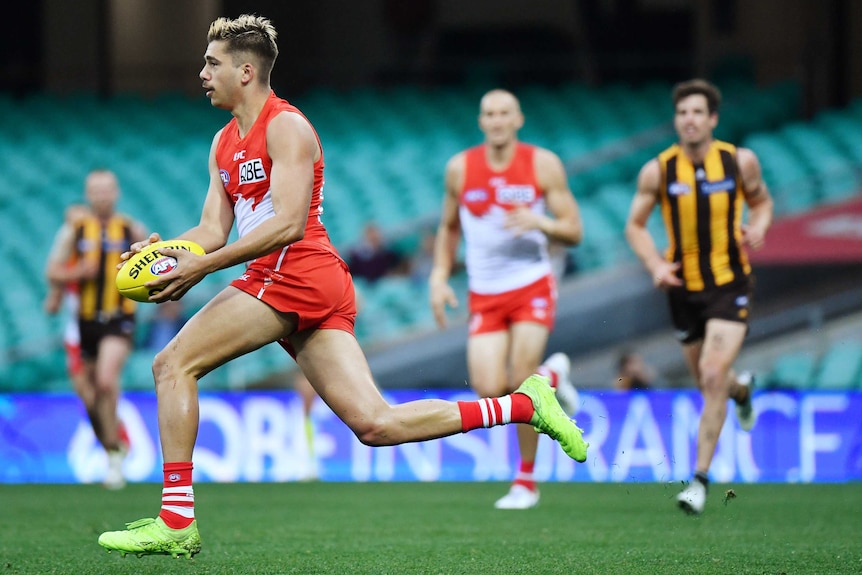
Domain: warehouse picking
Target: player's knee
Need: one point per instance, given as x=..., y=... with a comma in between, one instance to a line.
x=713, y=378
x=377, y=430
x=105, y=386
x=167, y=367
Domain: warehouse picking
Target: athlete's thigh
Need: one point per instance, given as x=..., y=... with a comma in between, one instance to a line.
x=232, y=324
x=691, y=353
x=488, y=362
x=529, y=341
x=722, y=342
x=84, y=382
x=113, y=351
x=336, y=368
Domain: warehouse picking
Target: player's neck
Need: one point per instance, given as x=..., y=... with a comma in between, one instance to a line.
x=500, y=156
x=247, y=111
x=104, y=216
x=696, y=151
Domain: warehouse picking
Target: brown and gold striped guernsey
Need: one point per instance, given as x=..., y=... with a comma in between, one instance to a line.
x=702, y=209
x=103, y=244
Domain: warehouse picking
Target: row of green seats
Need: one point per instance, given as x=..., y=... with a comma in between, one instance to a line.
x=839, y=368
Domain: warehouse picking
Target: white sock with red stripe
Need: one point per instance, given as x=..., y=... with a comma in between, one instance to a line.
x=178, y=495
x=491, y=411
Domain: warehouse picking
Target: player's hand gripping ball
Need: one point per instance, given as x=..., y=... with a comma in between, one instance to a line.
x=148, y=265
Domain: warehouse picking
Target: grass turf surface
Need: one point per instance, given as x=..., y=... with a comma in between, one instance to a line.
x=444, y=528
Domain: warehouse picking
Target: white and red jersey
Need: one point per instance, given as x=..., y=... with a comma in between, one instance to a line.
x=498, y=260
x=245, y=168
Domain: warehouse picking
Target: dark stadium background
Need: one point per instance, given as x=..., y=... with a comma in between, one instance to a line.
x=810, y=49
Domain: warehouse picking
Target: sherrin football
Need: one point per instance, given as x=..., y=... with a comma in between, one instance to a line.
x=147, y=265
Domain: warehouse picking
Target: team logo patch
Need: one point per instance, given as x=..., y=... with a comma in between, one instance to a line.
x=516, y=194
x=719, y=186
x=476, y=200
x=251, y=171
x=678, y=189
x=163, y=265
x=174, y=477
x=225, y=176
x=540, y=308
x=475, y=195
x=539, y=302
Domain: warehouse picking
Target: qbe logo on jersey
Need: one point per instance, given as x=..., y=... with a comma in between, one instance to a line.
x=251, y=171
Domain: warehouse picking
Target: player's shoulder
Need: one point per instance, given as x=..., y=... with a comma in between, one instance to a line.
x=457, y=162
x=290, y=123
x=649, y=176
x=745, y=154
x=545, y=156
x=747, y=161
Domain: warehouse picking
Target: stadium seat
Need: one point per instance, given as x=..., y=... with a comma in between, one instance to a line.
x=603, y=244
x=792, y=371
x=840, y=367
x=386, y=149
x=616, y=199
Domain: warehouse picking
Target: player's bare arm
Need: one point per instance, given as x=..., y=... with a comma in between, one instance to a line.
x=663, y=273
x=217, y=216
x=564, y=224
x=760, y=205
x=57, y=270
x=292, y=147
x=216, y=219
x=446, y=242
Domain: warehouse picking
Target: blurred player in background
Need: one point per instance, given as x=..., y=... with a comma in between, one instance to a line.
x=510, y=199
x=84, y=257
x=266, y=175
x=307, y=395
x=702, y=185
x=65, y=296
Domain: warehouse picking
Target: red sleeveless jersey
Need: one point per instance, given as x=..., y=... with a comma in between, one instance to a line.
x=516, y=185
x=498, y=259
x=245, y=168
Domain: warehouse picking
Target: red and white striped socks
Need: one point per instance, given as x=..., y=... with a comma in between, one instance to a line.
x=178, y=495
x=491, y=411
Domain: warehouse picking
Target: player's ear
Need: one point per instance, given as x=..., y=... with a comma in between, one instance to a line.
x=248, y=73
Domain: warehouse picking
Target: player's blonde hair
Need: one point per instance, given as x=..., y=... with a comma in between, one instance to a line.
x=249, y=34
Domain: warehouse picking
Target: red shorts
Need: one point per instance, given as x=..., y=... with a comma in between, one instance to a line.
x=536, y=303
x=312, y=282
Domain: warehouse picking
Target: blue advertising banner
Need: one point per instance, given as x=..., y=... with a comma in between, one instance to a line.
x=260, y=436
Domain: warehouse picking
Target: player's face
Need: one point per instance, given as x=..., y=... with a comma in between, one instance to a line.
x=220, y=76
x=500, y=118
x=693, y=122
x=102, y=191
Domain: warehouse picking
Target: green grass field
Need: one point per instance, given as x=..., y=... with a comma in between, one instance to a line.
x=445, y=528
